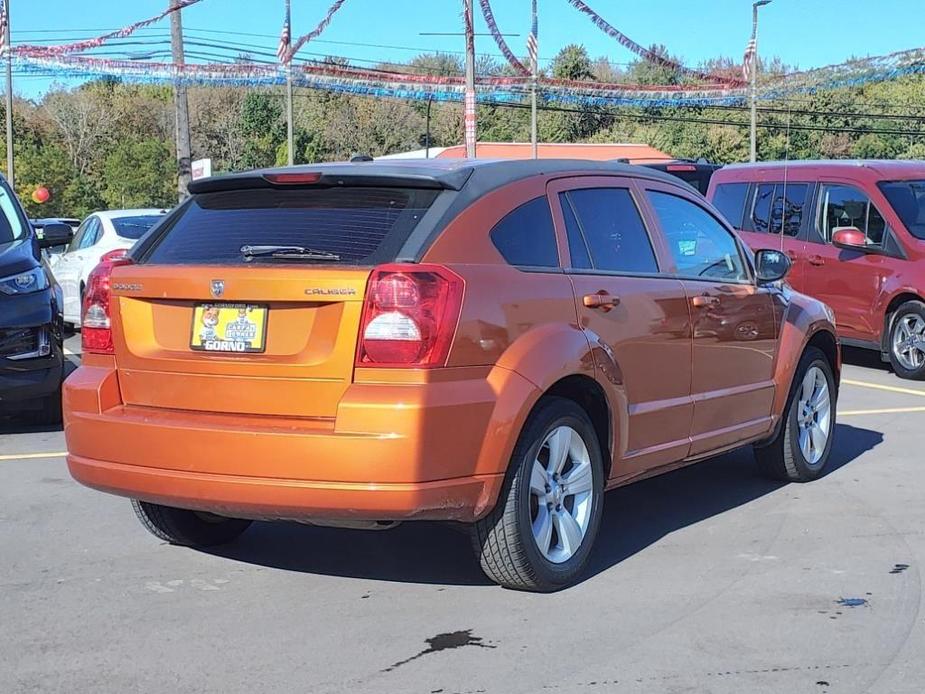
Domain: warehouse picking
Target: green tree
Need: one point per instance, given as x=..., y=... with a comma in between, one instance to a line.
x=140, y=173
x=45, y=165
x=871, y=146
x=261, y=122
x=572, y=63
x=647, y=72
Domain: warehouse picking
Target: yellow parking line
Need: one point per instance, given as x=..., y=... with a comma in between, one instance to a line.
x=32, y=456
x=887, y=410
x=878, y=386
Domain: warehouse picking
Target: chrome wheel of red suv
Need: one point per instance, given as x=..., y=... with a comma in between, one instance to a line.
x=907, y=340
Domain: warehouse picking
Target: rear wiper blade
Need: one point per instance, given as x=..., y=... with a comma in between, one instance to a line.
x=286, y=253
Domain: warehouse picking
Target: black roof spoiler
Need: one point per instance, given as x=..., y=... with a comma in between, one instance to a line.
x=327, y=178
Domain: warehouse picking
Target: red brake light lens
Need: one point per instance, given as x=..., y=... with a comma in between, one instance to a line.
x=410, y=316
x=96, y=319
x=293, y=179
x=680, y=167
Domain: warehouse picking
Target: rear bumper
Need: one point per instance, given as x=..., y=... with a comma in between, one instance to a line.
x=462, y=499
x=436, y=450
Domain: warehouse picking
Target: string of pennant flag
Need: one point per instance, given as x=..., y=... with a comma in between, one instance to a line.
x=701, y=88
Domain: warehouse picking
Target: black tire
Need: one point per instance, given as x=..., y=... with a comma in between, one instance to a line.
x=504, y=541
x=188, y=528
x=782, y=458
x=916, y=308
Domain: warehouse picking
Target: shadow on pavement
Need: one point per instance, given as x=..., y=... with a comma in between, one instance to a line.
x=417, y=552
x=638, y=515
x=635, y=517
x=21, y=425
x=867, y=358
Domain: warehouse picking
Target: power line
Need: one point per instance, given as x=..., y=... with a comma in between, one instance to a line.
x=713, y=121
x=827, y=114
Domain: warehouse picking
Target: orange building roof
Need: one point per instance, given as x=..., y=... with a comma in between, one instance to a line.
x=635, y=153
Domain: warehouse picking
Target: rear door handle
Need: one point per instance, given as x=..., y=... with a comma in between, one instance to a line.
x=602, y=300
x=816, y=260
x=704, y=300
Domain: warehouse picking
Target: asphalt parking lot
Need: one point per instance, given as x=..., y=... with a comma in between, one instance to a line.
x=709, y=579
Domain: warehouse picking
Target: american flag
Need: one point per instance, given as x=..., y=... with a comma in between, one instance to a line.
x=4, y=25
x=532, y=45
x=748, y=60
x=285, y=39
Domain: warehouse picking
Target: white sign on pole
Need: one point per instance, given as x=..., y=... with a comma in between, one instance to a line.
x=201, y=168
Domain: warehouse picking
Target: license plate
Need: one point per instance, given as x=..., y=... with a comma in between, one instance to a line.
x=229, y=328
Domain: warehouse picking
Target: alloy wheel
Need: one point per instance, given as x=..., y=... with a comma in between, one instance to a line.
x=561, y=494
x=909, y=341
x=814, y=415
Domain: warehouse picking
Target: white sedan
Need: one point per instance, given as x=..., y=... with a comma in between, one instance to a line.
x=99, y=233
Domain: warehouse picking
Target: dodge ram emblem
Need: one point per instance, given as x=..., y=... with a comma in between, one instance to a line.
x=218, y=288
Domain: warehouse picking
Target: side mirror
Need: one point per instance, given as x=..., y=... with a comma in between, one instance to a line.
x=55, y=234
x=849, y=239
x=771, y=265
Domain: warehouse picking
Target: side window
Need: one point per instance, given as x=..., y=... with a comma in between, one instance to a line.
x=526, y=236
x=787, y=211
x=78, y=236
x=91, y=234
x=611, y=227
x=845, y=206
x=701, y=246
x=729, y=198
x=779, y=206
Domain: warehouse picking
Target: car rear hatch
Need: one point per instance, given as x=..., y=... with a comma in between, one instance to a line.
x=199, y=324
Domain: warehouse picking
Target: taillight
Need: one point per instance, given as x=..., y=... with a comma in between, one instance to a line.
x=95, y=322
x=410, y=316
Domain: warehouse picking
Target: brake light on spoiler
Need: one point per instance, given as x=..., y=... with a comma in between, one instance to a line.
x=293, y=179
x=409, y=316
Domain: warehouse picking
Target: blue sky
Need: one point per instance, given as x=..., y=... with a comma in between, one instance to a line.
x=808, y=33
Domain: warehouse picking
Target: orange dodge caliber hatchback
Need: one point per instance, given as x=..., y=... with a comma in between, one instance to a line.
x=494, y=343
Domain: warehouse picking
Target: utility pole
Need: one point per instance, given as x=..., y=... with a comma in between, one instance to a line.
x=753, y=78
x=290, y=138
x=181, y=104
x=8, y=48
x=469, y=116
x=430, y=101
x=532, y=48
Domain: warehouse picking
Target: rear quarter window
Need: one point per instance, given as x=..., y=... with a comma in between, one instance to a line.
x=526, y=237
x=729, y=199
x=363, y=226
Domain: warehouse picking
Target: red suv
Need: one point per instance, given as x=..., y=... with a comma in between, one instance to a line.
x=855, y=231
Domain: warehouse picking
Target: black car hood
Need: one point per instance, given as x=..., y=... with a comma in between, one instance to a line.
x=17, y=256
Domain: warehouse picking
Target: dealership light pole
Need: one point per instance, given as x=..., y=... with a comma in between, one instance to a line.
x=751, y=64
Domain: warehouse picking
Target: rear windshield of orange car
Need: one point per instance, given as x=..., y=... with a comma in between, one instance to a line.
x=359, y=225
